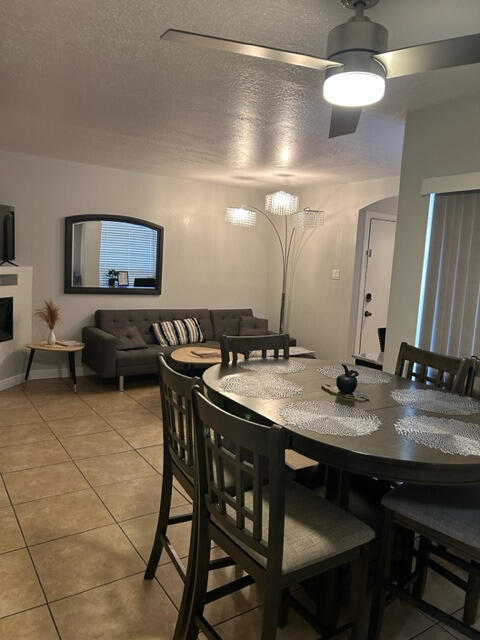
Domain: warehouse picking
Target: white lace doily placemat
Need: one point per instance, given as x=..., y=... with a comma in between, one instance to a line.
x=330, y=418
x=437, y=401
x=263, y=385
x=365, y=374
x=448, y=435
x=272, y=365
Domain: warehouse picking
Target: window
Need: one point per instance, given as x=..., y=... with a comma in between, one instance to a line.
x=127, y=247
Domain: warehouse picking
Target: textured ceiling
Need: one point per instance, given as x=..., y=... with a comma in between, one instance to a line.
x=91, y=81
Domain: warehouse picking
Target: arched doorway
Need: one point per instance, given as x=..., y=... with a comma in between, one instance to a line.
x=374, y=257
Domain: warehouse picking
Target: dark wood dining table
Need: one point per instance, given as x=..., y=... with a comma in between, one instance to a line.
x=384, y=454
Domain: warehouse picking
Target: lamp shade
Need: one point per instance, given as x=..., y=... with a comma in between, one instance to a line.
x=281, y=203
x=241, y=216
x=309, y=219
x=354, y=88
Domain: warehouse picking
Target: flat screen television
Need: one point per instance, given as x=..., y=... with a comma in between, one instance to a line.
x=7, y=233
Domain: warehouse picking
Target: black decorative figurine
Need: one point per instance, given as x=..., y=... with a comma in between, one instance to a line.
x=347, y=382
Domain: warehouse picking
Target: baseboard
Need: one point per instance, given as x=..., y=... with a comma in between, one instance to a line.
x=43, y=374
x=6, y=383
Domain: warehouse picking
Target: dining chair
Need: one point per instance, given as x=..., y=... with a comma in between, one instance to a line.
x=179, y=464
x=448, y=520
x=178, y=458
x=279, y=533
x=178, y=461
x=244, y=344
x=449, y=371
x=472, y=383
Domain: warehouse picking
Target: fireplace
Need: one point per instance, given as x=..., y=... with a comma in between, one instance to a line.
x=6, y=319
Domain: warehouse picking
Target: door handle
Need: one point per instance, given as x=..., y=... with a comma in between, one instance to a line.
x=367, y=314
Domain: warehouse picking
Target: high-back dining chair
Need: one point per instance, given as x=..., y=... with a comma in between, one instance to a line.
x=178, y=457
x=279, y=533
x=245, y=344
x=178, y=463
x=417, y=364
x=178, y=460
x=447, y=518
x=448, y=521
x=472, y=384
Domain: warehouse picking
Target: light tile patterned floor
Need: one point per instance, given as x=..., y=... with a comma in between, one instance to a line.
x=79, y=493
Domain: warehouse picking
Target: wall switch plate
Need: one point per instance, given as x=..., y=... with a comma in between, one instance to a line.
x=335, y=274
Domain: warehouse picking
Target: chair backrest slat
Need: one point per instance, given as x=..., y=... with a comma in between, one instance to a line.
x=177, y=410
x=226, y=444
x=239, y=482
x=231, y=346
x=257, y=498
x=441, y=371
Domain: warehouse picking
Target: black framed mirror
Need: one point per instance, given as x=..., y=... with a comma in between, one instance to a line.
x=113, y=254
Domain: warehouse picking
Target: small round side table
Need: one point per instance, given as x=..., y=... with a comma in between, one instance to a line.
x=191, y=360
x=70, y=350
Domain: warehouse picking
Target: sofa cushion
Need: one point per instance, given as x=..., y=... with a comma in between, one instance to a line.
x=106, y=319
x=129, y=338
x=139, y=358
x=251, y=326
x=227, y=321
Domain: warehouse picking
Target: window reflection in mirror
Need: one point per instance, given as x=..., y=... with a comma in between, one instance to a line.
x=112, y=253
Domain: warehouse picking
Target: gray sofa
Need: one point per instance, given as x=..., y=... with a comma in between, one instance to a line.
x=101, y=353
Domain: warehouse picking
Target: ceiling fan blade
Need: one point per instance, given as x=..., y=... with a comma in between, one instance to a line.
x=453, y=52
x=246, y=49
x=344, y=120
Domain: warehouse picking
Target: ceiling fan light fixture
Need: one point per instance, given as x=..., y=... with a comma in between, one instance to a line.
x=354, y=88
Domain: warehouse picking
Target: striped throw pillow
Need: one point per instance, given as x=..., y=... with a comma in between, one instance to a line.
x=159, y=335
x=169, y=333
x=177, y=332
x=193, y=329
x=181, y=331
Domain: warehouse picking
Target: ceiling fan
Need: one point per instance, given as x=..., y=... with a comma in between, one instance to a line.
x=357, y=62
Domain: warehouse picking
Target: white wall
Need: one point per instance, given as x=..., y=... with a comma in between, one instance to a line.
x=319, y=308
x=207, y=262
x=439, y=141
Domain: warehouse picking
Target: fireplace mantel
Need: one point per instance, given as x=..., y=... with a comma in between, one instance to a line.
x=16, y=282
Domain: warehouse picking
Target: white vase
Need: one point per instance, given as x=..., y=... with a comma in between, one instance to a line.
x=51, y=337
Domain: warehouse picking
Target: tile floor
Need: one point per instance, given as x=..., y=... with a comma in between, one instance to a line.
x=79, y=493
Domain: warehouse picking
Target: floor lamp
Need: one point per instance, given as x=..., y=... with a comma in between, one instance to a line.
x=280, y=204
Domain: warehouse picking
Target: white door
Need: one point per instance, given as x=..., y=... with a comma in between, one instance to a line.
x=377, y=282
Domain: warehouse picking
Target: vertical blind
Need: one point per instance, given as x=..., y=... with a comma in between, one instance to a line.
x=127, y=247
x=451, y=301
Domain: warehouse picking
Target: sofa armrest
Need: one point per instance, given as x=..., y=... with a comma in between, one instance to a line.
x=100, y=352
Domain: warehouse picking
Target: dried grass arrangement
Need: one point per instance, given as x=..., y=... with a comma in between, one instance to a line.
x=50, y=314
